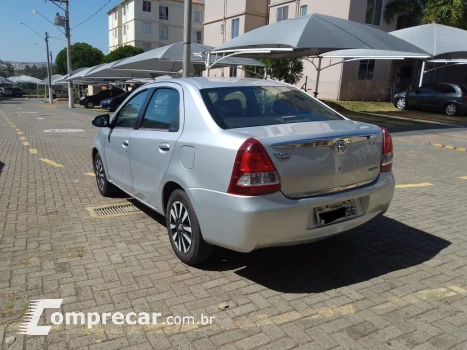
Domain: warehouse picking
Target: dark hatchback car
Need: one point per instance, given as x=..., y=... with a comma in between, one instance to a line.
x=450, y=99
x=111, y=104
x=95, y=100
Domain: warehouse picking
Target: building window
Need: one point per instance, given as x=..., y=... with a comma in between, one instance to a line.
x=235, y=27
x=147, y=6
x=124, y=10
x=233, y=72
x=366, y=70
x=222, y=29
x=115, y=32
x=374, y=9
x=198, y=37
x=163, y=12
x=282, y=13
x=198, y=17
x=147, y=46
x=115, y=14
x=124, y=29
x=164, y=33
x=147, y=27
x=303, y=10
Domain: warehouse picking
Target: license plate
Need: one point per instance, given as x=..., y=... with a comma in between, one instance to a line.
x=333, y=213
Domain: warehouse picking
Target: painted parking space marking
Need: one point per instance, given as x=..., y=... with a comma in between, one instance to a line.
x=33, y=151
x=25, y=143
x=89, y=174
x=64, y=130
x=50, y=162
x=464, y=177
x=423, y=184
x=22, y=138
x=441, y=145
x=20, y=133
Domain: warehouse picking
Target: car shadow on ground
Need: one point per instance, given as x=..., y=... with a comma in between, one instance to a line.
x=377, y=248
x=2, y=165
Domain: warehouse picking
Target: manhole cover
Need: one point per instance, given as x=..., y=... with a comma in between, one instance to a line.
x=113, y=210
x=64, y=130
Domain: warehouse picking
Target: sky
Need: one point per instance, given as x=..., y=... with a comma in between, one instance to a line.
x=17, y=41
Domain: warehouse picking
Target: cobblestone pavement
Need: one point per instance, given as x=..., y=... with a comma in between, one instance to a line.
x=398, y=282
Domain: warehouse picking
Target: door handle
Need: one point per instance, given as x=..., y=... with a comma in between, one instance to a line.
x=125, y=143
x=164, y=146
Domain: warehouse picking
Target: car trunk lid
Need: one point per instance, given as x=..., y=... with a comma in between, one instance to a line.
x=316, y=158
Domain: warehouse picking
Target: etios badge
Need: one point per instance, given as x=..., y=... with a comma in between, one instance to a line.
x=339, y=147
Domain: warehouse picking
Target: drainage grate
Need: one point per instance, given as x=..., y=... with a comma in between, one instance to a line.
x=113, y=210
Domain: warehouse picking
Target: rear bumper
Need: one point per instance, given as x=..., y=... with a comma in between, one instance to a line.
x=247, y=223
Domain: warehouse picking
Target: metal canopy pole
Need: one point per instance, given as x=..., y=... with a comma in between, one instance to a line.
x=318, y=72
x=422, y=72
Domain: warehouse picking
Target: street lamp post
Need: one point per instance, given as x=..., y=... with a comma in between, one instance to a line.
x=187, y=39
x=48, y=65
x=49, y=70
x=48, y=59
x=65, y=22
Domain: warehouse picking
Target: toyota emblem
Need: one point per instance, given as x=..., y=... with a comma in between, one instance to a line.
x=339, y=147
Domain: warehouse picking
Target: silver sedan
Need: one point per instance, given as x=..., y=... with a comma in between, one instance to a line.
x=242, y=164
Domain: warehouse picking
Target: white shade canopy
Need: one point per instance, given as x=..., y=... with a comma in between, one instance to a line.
x=437, y=40
x=4, y=80
x=24, y=79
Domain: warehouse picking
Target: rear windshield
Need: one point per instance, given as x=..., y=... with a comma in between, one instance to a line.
x=246, y=106
x=463, y=88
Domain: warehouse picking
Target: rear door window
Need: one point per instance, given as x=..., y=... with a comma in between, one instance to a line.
x=247, y=106
x=446, y=89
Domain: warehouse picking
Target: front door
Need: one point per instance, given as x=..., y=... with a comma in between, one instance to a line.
x=425, y=96
x=117, y=145
x=152, y=145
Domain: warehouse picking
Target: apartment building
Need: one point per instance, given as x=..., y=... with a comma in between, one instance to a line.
x=226, y=19
x=149, y=24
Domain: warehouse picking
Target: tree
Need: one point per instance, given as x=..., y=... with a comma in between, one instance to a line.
x=289, y=70
x=414, y=12
x=82, y=55
x=122, y=52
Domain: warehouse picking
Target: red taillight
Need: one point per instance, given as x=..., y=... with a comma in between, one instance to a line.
x=386, y=159
x=253, y=172
x=465, y=97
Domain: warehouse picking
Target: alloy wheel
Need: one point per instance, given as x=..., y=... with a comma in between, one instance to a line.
x=400, y=103
x=451, y=109
x=100, y=174
x=180, y=227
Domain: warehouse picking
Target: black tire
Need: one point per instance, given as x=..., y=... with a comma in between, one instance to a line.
x=105, y=188
x=54, y=96
x=89, y=104
x=178, y=230
x=401, y=103
x=451, y=109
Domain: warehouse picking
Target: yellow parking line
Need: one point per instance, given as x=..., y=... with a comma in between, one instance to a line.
x=20, y=133
x=26, y=144
x=461, y=149
x=22, y=138
x=17, y=129
x=423, y=184
x=89, y=174
x=48, y=161
x=464, y=177
x=33, y=151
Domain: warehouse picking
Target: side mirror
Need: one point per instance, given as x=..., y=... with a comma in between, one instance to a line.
x=101, y=121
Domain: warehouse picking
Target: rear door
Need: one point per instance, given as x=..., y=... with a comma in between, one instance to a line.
x=153, y=143
x=117, y=145
x=425, y=96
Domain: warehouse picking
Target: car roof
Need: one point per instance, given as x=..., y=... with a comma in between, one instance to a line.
x=213, y=82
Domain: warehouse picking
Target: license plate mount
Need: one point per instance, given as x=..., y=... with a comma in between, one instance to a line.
x=337, y=212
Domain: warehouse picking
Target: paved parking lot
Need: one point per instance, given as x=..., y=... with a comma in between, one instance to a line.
x=398, y=282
